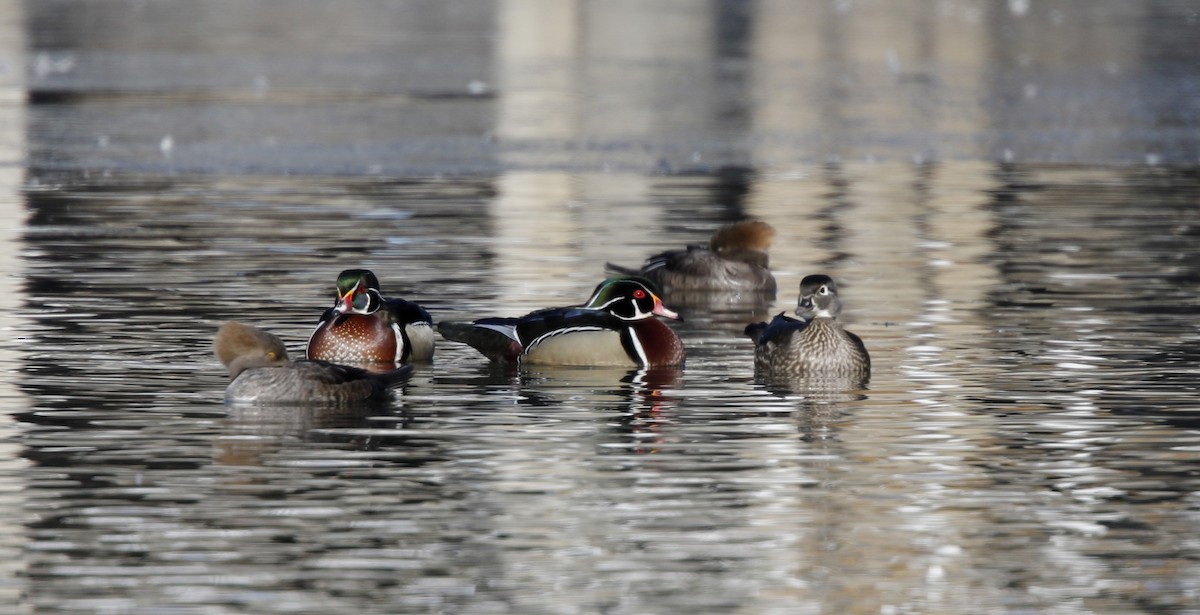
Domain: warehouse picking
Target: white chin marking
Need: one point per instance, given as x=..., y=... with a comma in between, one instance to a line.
x=824, y=314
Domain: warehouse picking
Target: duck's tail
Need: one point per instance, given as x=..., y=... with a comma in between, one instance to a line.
x=754, y=331
x=615, y=269
x=494, y=338
x=394, y=378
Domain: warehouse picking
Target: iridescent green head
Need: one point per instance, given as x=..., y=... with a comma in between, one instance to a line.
x=358, y=292
x=630, y=298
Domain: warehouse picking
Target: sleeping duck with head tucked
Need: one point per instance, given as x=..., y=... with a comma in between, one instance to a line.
x=735, y=259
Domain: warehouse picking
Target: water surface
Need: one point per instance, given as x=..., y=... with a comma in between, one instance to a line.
x=1028, y=440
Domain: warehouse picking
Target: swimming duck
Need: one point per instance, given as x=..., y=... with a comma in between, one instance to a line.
x=260, y=372
x=364, y=327
x=735, y=259
x=813, y=345
x=615, y=327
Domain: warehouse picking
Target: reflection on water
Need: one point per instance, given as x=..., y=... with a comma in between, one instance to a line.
x=1028, y=439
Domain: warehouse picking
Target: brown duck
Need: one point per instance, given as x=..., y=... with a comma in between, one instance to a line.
x=813, y=345
x=735, y=259
x=260, y=372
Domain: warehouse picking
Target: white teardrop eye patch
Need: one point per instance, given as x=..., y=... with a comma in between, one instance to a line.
x=824, y=290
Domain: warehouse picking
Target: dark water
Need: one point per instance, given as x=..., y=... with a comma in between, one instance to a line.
x=1022, y=267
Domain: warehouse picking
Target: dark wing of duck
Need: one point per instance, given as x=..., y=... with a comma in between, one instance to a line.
x=671, y=260
x=494, y=338
x=333, y=373
x=406, y=312
x=505, y=339
x=347, y=384
x=538, y=325
x=779, y=330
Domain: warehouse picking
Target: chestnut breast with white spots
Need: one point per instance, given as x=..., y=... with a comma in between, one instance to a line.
x=356, y=339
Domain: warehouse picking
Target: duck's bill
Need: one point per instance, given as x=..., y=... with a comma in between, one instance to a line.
x=662, y=310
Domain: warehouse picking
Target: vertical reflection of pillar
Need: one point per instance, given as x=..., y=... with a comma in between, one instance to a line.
x=12, y=217
x=536, y=45
x=786, y=47
x=632, y=54
x=583, y=85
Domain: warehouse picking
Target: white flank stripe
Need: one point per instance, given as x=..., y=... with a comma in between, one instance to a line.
x=508, y=330
x=563, y=331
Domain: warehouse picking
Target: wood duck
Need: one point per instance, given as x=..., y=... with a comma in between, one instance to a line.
x=363, y=327
x=260, y=372
x=735, y=259
x=813, y=345
x=616, y=327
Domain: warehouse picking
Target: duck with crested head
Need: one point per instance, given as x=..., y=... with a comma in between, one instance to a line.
x=735, y=259
x=260, y=372
x=364, y=327
x=615, y=327
x=816, y=344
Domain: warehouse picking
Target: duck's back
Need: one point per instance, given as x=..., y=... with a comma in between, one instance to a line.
x=699, y=268
x=313, y=382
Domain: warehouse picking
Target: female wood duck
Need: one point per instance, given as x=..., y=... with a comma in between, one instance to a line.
x=735, y=259
x=814, y=345
x=364, y=327
x=260, y=372
x=616, y=327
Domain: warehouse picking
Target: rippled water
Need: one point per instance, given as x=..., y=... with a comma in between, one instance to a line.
x=1006, y=193
x=1029, y=441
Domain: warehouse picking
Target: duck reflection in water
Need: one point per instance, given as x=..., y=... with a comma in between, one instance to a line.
x=632, y=402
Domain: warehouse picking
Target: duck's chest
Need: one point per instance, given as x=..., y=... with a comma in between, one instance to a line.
x=356, y=339
x=655, y=343
x=824, y=346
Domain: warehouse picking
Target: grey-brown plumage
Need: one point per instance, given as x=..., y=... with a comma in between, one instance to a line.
x=260, y=372
x=735, y=259
x=813, y=345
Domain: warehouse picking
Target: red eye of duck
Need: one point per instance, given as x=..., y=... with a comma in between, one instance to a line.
x=639, y=294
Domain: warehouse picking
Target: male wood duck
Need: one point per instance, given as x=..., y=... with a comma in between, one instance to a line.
x=364, y=327
x=260, y=372
x=814, y=345
x=616, y=327
x=735, y=259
